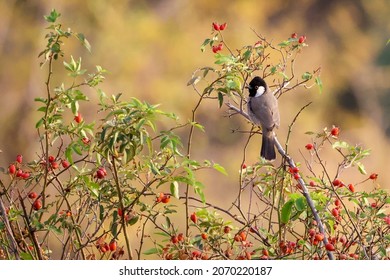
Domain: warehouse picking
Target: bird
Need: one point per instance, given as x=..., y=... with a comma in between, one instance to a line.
x=263, y=110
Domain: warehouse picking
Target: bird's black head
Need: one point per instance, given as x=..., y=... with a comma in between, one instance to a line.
x=255, y=84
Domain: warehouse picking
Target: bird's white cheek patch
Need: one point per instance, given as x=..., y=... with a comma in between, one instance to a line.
x=260, y=91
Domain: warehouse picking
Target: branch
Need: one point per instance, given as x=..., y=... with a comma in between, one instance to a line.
x=302, y=183
x=306, y=194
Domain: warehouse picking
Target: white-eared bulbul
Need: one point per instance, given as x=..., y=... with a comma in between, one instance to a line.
x=263, y=110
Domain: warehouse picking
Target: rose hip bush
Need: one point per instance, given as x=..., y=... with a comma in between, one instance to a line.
x=94, y=189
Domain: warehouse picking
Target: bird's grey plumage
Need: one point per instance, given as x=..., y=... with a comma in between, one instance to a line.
x=263, y=111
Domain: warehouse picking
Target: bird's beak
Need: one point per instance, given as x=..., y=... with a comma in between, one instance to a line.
x=248, y=87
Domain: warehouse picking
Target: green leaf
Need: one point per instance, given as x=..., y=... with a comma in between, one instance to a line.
x=220, y=168
x=220, y=99
x=53, y=16
x=285, y=214
x=175, y=189
x=152, y=251
x=340, y=145
x=194, y=80
x=361, y=168
x=319, y=83
x=114, y=229
x=133, y=220
x=74, y=107
x=39, y=123
x=284, y=43
x=84, y=41
x=306, y=76
x=300, y=204
x=26, y=256
x=205, y=43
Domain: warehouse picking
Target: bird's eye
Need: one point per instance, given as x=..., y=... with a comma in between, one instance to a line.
x=256, y=87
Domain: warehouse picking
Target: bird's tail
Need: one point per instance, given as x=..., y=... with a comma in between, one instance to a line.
x=268, y=146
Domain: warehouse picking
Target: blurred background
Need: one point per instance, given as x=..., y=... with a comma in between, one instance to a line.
x=151, y=48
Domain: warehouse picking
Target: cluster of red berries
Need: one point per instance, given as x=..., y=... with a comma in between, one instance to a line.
x=53, y=163
x=295, y=172
x=106, y=247
x=301, y=39
x=37, y=204
x=219, y=27
x=164, y=198
x=338, y=183
x=287, y=247
x=15, y=168
x=217, y=48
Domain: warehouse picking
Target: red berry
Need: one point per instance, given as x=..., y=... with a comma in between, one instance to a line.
x=54, y=165
x=226, y=229
x=86, y=140
x=373, y=176
x=335, y=131
x=312, y=184
x=217, y=48
x=166, y=199
x=296, y=176
x=120, y=212
x=112, y=245
x=294, y=35
x=174, y=239
x=25, y=175
x=193, y=217
x=216, y=26
x=51, y=159
x=222, y=26
x=309, y=146
x=374, y=205
x=335, y=212
x=336, y=182
x=19, y=173
x=343, y=239
x=196, y=254
x=243, y=166
x=12, y=169
x=295, y=169
x=160, y=197
x=65, y=164
x=337, y=202
x=37, y=204
x=319, y=236
x=342, y=257
x=19, y=158
x=180, y=237
x=101, y=173
x=204, y=236
x=78, y=118
x=243, y=235
x=265, y=252
x=106, y=247
x=312, y=232
x=32, y=195
x=329, y=247
x=302, y=39
x=351, y=188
